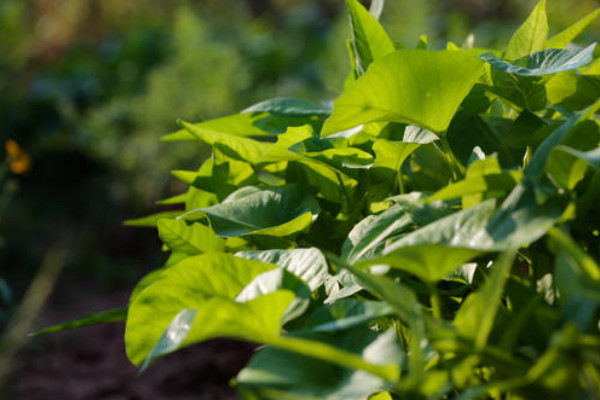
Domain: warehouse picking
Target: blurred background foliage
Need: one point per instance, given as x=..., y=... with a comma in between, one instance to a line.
x=87, y=88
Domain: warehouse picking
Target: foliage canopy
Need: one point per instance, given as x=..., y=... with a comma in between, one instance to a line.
x=432, y=235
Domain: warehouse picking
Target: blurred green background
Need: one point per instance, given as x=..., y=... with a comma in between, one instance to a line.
x=88, y=87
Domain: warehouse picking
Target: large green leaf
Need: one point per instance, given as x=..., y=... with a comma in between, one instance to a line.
x=191, y=239
x=257, y=320
x=280, y=212
x=370, y=41
x=438, y=248
x=206, y=284
x=423, y=88
x=531, y=36
x=544, y=62
x=565, y=37
x=275, y=373
x=309, y=265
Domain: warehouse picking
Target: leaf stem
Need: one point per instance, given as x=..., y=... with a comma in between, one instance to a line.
x=455, y=166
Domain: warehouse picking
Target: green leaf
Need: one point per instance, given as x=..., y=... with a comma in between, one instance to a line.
x=288, y=106
x=531, y=36
x=344, y=314
x=524, y=91
x=309, y=265
x=483, y=177
x=279, y=212
x=369, y=39
x=389, y=158
x=573, y=90
x=270, y=282
x=265, y=119
x=238, y=147
x=423, y=88
x=475, y=318
x=106, y=317
x=567, y=166
x=206, y=284
x=437, y=249
x=256, y=320
x=376, y=8
x=275, y=373
x=544, y=62
x=565, y=37
x=369, y=236
x=151, y=221
x=190, y=239
x=540, y=157
x=333, y=151
x=178, y=199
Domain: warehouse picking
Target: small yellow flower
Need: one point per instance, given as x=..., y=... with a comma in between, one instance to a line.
x=19, y=160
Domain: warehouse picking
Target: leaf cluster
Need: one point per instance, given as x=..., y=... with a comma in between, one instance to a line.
x=432, y=235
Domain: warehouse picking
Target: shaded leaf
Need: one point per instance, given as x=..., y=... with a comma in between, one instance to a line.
x=544, y=62
x=106, y=317
x=276, y=212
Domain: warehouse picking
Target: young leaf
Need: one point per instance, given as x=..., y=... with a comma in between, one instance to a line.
x=369, y=39
x=106, y=317
x=565, y=37
x=423, y=88
x=152, y=220
x=531, y=36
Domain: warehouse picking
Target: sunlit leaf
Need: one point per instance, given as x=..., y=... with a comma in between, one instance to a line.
x=419, y=87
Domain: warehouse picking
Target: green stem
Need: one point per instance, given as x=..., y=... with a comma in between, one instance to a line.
x=527, y=156
x=455, y=166
x=436, y=303
x=322, y=351
x=345, y=192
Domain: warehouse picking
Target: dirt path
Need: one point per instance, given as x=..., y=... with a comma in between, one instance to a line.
x=90, y=363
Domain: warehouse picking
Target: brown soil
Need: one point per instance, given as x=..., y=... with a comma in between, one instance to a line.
x=90, y=363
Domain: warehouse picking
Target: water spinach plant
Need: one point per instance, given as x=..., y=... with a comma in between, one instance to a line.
x=434, y=234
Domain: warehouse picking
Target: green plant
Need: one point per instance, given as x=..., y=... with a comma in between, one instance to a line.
x=434, y=235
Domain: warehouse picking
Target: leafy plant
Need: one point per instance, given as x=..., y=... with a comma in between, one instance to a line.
x=433, y=235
